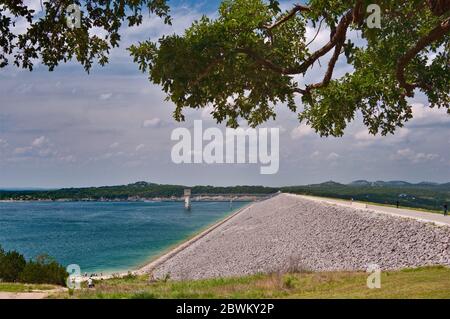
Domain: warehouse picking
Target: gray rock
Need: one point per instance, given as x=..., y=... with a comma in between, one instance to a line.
x=288, y=233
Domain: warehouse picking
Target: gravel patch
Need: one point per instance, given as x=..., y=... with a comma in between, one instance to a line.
x=288, y=233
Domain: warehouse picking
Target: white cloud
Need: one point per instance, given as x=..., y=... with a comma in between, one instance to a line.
x=114, y=145
x=68, y=159
x=40, y=148
x=425, y=115
x=315, y=154
x=321, y=37
x=36, y=5
x=155, y=122
x=105, y=96
x=139, y=147
x=206, y=112
x=47, y=152
x=3, y=143
x=301, y=131
x=40, y=141
x=333, y=156
x=414, y=157
x=364, y=138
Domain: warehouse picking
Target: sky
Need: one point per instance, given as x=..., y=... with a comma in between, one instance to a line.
x=68, y=128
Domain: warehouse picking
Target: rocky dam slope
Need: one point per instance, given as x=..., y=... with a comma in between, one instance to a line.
x=289, y=233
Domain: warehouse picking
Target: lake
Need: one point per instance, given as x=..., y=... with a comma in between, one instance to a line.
x=103, y=236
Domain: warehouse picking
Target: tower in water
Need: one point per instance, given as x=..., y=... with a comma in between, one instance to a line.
x=187, y=199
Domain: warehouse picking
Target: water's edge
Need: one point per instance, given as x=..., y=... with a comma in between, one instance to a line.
x=182, y=244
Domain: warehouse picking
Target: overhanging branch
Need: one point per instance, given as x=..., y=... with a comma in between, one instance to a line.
x=435, y=34
x=289, y=15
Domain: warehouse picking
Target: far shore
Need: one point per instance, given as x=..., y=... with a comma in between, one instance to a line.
x=202, y=198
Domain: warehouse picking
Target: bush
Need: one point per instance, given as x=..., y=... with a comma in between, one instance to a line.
x=44, y=270
x=289, y=281
x=11, y=265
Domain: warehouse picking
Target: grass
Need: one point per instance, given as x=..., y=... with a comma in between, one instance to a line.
x=428, y=282
x=19, y=287
x=402, y=206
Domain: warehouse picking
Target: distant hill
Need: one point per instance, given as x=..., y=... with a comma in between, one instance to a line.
x=399, y=184
x=360, y=183
x=327, y=184
x=138, y=190
x=426, y=195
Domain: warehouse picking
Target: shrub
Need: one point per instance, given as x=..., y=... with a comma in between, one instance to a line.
x=11, y=265
x=44, y=270
x=289, y=281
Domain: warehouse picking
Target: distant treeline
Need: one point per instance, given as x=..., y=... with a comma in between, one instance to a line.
x=139, y=189
x=422, y=195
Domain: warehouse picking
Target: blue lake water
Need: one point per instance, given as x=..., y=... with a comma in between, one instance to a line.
x=103, y=236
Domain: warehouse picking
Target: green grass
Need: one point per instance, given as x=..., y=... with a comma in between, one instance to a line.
x=429, y=282
x=19, y=287
x=425, y=210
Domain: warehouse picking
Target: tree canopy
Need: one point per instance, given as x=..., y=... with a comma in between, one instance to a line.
x=48, y=38
x=253, y=56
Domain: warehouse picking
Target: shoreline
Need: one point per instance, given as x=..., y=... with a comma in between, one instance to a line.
x=148, y=266
x=175, y=249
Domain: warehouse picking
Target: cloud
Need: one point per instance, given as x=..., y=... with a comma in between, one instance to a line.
x=315, y=154
x=206, y=112
x=39, y=148
x=426, y=116
x=68, y=159
x=105, y=96
x=114, y=145
x=155, y=122
x=22, y=150
x=321, y=37
x=364, y=138
x=40, y=141
x=139, y=147
x=414, y=157
x=333, y=156
x=3, y=143
x=301, y=131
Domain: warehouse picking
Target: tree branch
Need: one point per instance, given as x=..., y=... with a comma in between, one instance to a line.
x=331, y=64
x=289, y=15
x=340, y=33
x=336, y=41
x=439, y=7
x=435, y=34
x=206, y=71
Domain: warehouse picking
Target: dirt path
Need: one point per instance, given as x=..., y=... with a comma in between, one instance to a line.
x=38, y=294
x=23, y=295
x=438, y=219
